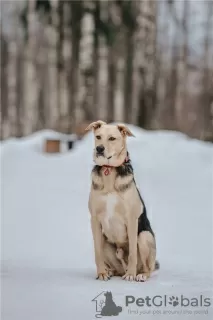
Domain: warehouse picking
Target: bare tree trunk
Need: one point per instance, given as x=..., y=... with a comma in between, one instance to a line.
x=128, y=76
x=156, y=62
x=171, y=87
x=207, y=81
x=180, y=102
x=147, y=96
x=73, y=79
x=19, y=94
x=59, y=50
x=162, y=65
x=111, y=84
x=40, y=103
x=87, y=106
x=41, y=106
x=13, y=53
x=42, y=72
x=4, y=84
x=88, y=63
x=30, y=72
x=111, y=70
x=96, y=64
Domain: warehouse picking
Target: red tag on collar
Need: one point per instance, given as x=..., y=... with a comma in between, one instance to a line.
x=107, y=170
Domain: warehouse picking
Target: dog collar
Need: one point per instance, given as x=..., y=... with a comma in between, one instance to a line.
x=108, y=169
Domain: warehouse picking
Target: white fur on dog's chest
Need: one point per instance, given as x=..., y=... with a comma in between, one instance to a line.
x=111, y=201
x=112, y=223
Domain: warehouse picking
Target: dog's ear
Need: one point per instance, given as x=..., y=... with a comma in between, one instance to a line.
x=125, y=131
x=95, y=125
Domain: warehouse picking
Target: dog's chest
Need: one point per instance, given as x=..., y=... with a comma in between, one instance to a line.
x=111, y=202
x=112, y=219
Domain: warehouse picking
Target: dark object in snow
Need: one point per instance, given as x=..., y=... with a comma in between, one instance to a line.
x=70, y=144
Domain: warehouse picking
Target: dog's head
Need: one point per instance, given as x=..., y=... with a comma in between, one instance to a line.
x=110, y=143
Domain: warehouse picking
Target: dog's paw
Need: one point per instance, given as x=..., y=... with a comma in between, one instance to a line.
x=110, y=273
x=104, y=276
x=141, y=277
x=129, y=276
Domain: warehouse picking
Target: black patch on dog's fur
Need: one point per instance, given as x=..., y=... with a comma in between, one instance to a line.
x=126, y=169
x=143, y=221
x=125, y=186
x=96, y=186
x=97, y=169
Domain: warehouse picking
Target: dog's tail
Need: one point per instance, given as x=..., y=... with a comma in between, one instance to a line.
x=157, y=265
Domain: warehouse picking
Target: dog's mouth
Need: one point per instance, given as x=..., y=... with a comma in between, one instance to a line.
x=100, y=154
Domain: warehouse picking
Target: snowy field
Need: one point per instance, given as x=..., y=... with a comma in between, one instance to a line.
x=48, y=270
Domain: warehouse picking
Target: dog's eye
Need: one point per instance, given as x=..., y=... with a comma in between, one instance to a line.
x=98, y=137
x=111, y=139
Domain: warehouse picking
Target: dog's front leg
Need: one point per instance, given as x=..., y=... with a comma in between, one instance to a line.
x=98, y=238
x=132, y=230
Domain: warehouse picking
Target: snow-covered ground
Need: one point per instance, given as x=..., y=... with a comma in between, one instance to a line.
x=48, y=270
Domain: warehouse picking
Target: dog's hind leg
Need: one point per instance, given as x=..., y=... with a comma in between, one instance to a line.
x=147, y=252
x=115, y=267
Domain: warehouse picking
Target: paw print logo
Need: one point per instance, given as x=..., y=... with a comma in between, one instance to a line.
x=173, y=301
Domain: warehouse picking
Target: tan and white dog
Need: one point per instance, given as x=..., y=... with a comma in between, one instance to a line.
x=124, y=242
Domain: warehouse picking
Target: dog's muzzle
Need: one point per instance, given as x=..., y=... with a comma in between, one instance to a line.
x=100, y=151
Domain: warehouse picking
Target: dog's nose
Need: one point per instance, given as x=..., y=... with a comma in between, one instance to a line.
x=100, y=149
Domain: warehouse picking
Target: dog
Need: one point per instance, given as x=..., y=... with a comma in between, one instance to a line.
x=118, y=212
